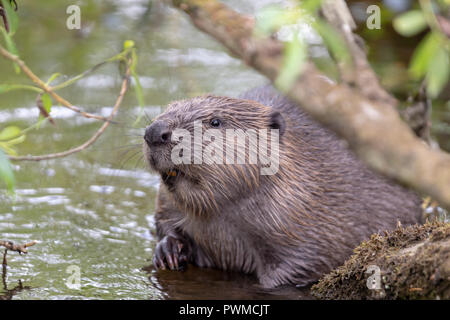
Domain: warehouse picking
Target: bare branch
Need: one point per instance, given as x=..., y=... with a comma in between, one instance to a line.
x=89, y=142
x=20, y=248
x=46, y=87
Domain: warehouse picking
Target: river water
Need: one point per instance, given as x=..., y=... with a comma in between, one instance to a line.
x=93, y=212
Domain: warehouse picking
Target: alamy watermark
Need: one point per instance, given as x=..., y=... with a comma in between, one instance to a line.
x=74, y=20
x=374, y=19
x=238, y=146
x=74, y=280
x=374, y=280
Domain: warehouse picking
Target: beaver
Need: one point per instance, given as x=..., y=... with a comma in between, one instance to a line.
x=290, y=227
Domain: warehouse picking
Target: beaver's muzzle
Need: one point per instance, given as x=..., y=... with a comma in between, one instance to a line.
x=158, y=133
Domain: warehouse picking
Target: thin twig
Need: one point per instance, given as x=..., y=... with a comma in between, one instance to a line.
x=20, y=248
x=46, y=87
x=5, y=20
x=89, y=142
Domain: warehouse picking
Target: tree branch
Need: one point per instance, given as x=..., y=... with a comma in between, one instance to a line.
x=46, y=87
x=372, y=127
x=20, y=248
x=97, y=134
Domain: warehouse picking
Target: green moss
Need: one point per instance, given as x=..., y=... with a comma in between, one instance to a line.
x=414, y=263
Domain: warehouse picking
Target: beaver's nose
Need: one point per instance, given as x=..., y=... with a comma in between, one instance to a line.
x=157, y=133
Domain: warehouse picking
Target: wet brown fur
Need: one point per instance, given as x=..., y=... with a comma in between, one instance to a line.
x=288, y=228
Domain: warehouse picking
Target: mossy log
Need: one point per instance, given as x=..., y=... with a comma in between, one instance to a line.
x=407, y=263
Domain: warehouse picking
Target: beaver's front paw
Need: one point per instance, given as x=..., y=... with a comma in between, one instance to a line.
x=169, y=253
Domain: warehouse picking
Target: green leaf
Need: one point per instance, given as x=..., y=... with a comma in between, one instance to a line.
x=8, y=149
x=438, y=72
x=138, y=88
x=46, y=102
x=15, y=141
x=9, y=137
x=295, y=55
x=273, y=17
x=6, y=172
x=423, y=54
x=9, y=133
x=53, y=77
x=139, y=96
x=311, y=5
x=333, y=41
x=10, y=87
x=10, y=46
x=47, y=105
x=128, y=44
x=410, y=23
x=11, y=16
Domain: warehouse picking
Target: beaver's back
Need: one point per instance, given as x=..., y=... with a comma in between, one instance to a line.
x=338, y=201
x=354, y=192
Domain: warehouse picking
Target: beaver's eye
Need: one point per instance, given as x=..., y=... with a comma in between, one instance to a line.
x=215, y=123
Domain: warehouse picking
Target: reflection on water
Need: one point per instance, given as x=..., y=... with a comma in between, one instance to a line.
x=95, y=209
x=197, y=283
x=105, y=229
x=6, y=293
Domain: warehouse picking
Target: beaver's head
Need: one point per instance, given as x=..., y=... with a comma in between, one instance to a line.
x=209, y=150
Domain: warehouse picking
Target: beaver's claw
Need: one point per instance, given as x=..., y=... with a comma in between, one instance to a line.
x=168, y=253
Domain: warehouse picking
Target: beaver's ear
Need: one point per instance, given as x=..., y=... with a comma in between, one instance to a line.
x=277, y=122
